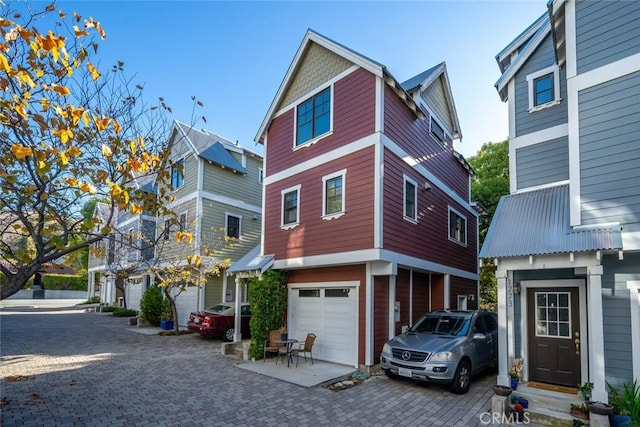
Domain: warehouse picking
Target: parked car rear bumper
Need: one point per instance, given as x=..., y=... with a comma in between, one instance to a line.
x=203, y=330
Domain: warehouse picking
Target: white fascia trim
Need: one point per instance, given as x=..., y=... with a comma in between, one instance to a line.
x=511, y=91
x=323, y=86
x=543, y=135
x=574, y=153
x=368, y=256
x=634, y=301
x=569, y=36
x=230, y=201
x=186, y=137
x=338, y=153
x=408, y=159
x=541, y=187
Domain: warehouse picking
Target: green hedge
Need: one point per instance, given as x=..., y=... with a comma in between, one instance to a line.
x=268, y=299
x=65, y=282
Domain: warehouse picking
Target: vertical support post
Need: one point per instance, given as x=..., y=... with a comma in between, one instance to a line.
x=447, y=292
x=237, y=336
x=503, y=338
x=368, y=315
x=392, y=303
x=596, y=334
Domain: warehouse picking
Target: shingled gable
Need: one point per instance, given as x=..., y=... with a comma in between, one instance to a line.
x=522, y=46
x=420, y=83
x=350, y=55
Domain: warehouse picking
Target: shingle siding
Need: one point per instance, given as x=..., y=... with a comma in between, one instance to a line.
x=542, y=163
x=527, y=122
x=606, y=31
x=610, y=160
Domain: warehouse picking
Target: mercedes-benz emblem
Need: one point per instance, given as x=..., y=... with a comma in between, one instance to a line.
x=406, y=355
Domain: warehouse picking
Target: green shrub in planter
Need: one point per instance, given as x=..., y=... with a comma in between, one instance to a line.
x=124, y=312
x=151, y=305
x=108, y=309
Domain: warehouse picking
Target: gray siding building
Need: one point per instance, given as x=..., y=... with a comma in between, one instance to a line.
x=566, y=241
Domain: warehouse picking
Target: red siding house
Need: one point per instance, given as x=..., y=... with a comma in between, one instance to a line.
x=366, y=203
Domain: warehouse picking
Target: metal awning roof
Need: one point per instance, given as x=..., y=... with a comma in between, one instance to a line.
x=252, y=263
x=537, y=223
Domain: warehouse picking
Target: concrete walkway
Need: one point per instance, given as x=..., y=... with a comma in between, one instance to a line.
x=304, y=375
x=62, y=366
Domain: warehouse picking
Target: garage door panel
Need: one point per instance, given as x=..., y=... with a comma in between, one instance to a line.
x=331, y=316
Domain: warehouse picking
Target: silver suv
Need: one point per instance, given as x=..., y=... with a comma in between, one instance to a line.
x=445, y=347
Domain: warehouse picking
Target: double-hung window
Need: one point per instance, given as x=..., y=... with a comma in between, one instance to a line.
x=182, y=222
x=544, y=88
x=313, y=117
x=410, y=199
x=177, y=174
x=233, y=226
x=437, y=131
x=457, y=227
x=333, y=195
x=291, y=207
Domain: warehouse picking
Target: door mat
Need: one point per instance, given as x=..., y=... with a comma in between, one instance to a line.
x=553, y=387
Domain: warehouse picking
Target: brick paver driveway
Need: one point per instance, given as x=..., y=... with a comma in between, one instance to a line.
x=64, y=367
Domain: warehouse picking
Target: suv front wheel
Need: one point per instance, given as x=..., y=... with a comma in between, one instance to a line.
x=462, y=379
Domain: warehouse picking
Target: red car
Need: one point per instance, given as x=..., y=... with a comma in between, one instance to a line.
x=219, y=321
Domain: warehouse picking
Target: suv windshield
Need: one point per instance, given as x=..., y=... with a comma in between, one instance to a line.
x=446, y=324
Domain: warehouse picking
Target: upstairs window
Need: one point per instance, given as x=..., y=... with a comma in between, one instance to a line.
x=437, y=131
x=313, y=117
x=290, y=207
x=182, y=222
x=233, y=226
x=543, y=88
x=333, y=202
x=167, y=229
x=410, y=199
x=457, y=227
x=177, y=174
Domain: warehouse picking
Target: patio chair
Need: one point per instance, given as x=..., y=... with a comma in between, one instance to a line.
x=270, y=346
x=306, y=347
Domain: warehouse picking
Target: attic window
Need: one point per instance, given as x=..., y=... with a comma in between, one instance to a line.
x=437, y=131
x=313, y=117
x=543, y=88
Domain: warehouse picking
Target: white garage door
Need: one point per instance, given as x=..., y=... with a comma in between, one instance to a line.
x=330, y=312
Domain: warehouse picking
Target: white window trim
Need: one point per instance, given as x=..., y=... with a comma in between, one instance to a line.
x=341, y=173
x=297, y=222
x=295, y=118
x=556, y=88
x=186, y=221
x=260, y=175
x=446, y=133
x=182, y=159
x=404, y=199
x=226, y=224
x=449, y=227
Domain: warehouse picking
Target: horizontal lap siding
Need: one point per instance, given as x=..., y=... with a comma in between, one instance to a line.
x=527, y=122
x=429, y=238
x=606, y=32
x=617, y=335
x=403, y=292
x=466, y=287
x=380, y=315
x=314, y=235
x=609, y=156
x=543, y=163
x=353, y=118
x=412, y=135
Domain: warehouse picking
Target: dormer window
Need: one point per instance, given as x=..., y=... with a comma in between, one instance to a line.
x=544, y=88
x=313, y=117
x=177, y=174
x=437, y=131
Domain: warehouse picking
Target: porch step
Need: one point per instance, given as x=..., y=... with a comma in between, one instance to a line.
x=547, y=407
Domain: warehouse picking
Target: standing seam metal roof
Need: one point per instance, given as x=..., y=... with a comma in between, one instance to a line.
x=537, y=222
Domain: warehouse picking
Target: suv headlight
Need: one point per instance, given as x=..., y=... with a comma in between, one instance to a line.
x=386, y=348
x=441, y=356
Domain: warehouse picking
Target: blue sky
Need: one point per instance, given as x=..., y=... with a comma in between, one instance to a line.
x=234, y=55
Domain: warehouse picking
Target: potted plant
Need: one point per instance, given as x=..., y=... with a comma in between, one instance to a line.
x=284, y=335
x=626, y=404
x=579, y=411
x=585, y=390
x=600, y=408
x=514, y=379
x=166, y=318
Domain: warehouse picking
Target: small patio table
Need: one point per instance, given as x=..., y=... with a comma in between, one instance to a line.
x=287, y=345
